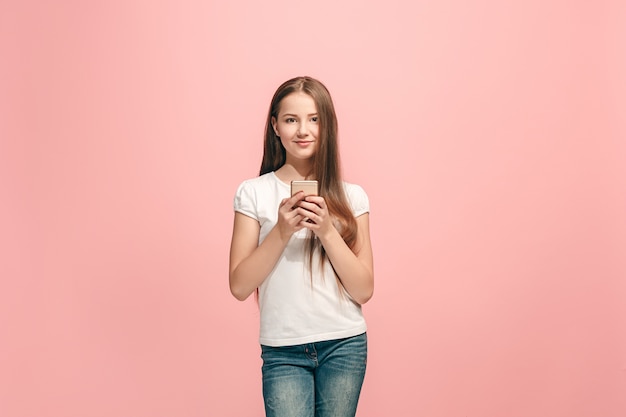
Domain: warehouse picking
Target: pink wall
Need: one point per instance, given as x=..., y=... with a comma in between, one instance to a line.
x=489, y=135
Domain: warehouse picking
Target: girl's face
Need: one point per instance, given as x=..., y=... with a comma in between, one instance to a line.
x=297, y=125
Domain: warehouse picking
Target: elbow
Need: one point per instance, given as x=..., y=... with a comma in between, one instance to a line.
x=237, y=291
x=364, y=298
x=238, y=295
x=366, y=294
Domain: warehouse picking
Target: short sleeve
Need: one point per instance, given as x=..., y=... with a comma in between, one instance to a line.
x=358, y=199
x=245, y=201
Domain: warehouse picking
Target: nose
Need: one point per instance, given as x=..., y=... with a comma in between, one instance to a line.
x=303, y=129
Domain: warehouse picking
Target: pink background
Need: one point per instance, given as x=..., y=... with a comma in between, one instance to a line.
x=489, y=135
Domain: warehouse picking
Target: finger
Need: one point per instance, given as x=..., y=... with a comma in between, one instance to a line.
x=294, y=199
x=308, y=214
x=300, y=224
x=316, y=199
x=312, y=207
x=317, y=203
x=306, y=209
x=309, y=223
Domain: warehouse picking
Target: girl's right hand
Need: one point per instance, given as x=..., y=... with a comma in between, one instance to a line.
x=288, y=218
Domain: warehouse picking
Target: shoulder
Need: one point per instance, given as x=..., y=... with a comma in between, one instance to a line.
x=262, y=184
x=357, y=197
x=353, y=188
x=252, y=191
x=260, y=181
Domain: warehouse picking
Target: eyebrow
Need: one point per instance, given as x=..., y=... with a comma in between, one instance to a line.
x=295, y=115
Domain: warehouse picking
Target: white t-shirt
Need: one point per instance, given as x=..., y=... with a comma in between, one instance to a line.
x=294, y=308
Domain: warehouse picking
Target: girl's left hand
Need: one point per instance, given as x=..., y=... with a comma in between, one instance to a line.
x=315, y=210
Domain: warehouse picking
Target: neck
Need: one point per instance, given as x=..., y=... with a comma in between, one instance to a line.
x=290, y=171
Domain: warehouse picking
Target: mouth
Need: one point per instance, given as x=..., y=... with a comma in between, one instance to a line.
x=303, y=143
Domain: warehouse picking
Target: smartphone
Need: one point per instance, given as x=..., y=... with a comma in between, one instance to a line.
x=308, y=186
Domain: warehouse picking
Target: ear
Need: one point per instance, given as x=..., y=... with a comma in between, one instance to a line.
x=274, y=125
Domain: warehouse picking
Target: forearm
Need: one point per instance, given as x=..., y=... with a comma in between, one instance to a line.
x=355, y=274
x=246, y=277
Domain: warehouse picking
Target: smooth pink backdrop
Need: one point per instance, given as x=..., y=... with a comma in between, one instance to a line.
x=490, y=137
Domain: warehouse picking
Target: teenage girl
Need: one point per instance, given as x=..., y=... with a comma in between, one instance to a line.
x=308, y=259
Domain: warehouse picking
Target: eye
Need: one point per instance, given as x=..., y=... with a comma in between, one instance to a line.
x=290, y=120
x=314, y=119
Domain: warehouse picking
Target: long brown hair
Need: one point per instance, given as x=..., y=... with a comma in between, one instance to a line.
x=326, y=166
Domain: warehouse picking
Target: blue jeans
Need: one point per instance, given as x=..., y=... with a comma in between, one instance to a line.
x=321, y=379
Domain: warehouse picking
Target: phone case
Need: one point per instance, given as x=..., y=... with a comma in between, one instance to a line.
x=308, y=186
